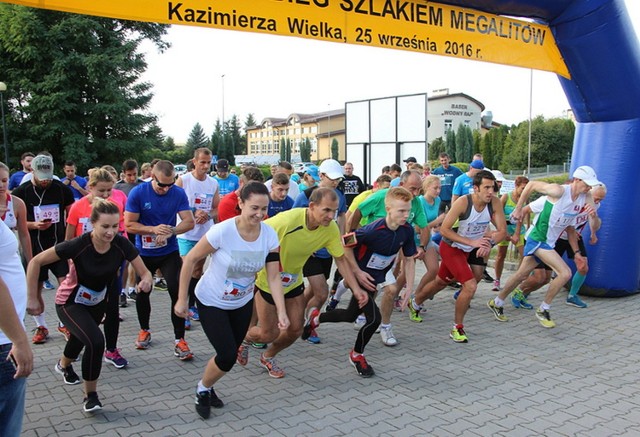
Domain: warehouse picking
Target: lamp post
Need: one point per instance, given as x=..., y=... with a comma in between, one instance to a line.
x=222, y=77
x=3, y=88
x=530, y=122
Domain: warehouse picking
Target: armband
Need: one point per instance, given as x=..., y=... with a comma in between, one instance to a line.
x=273, y=256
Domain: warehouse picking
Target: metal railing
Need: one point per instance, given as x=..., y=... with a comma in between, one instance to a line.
x=542, y=171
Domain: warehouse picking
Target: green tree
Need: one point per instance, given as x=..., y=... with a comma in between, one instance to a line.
x=335, y=149
x=436, y=147
x=197, y=139
x=236, y=147
x=75, y=85
x=464, y=144
x=450, y=145
x=305, y=150
x=492, y=146
x=217, y=138
x=250, y=121
x=285, y=149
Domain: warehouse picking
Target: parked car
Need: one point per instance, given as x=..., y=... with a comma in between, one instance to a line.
x=301, y=167
x=180, y=169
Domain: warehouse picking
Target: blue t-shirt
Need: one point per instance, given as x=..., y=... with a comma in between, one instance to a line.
x=83, y=184
x=302, y=201
x=431, y=211
x=15, y=179
x=276, y=207
x=155, y=209
x=447, y=179
x=463, y=186
x=395, y=182
x=228, y=184
x=377, y=247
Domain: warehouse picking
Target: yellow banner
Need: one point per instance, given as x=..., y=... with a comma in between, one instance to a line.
x=413, y=25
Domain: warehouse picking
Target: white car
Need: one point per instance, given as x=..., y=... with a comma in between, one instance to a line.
x=180, y=169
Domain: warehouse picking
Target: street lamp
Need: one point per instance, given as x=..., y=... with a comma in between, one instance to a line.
x=3, y=88
x=222, y=77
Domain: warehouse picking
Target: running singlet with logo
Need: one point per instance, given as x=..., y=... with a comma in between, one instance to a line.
x=472, y=224
x=553, y=218
x=581, y=221
x=297, y=243
x=200, y=195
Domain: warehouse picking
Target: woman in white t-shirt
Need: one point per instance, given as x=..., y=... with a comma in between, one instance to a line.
x=239, y=248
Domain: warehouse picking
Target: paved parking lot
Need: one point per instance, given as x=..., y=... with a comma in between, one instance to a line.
x=511, y=379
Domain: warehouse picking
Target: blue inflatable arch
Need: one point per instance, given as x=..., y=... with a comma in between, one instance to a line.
x=598, y=43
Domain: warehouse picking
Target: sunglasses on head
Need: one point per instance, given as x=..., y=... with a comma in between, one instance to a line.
x=161, y=185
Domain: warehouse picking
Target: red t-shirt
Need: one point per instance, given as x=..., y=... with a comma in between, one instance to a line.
x=80, y=215
x=228, y=207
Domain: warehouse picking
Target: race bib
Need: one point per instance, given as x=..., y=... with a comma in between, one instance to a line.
x=566, y=219
x=86, y=224
x=288, y=279
x=149, y=242
x=48, y=213
x=89, y=297
x=203, y=201
x=233, y=291
x=380, y=262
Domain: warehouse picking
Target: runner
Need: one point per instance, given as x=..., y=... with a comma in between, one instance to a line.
x=560, y=208
x=81, y=298
x=225, y=295
x=375, y=249
x=301, y=232
x=204, y=197
x=151, y=213
x=463, y=250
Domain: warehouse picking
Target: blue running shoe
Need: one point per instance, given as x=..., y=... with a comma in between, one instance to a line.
x=193, y=314
x=576, y=302
x=47, y=285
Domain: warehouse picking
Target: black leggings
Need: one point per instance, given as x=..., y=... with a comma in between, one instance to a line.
x=350, y=314
x=169, y=265
x=112, y=317
x=225, y=330
x=84, y=324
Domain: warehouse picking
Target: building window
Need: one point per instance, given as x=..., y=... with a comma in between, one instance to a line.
x=467, y=122
x=448, y=125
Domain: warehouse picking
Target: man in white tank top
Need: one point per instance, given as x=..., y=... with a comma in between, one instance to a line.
x=204, y=195
x=559, y=212
x=463, y=251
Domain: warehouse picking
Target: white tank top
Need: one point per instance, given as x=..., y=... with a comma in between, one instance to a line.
x=472, y=224
x=200, y=195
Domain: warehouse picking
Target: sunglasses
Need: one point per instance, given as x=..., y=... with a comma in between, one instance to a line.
x=161, y=185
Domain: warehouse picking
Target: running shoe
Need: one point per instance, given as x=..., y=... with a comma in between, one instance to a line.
x=414, y=314
x=256, y=345
x=68, y=375
x=456, y=294
x=272, y=367
x=160, y=284
x=64, y=331
x=576, y=302
x=496, y=285
x=92, y=403
x=114, y=357
x=132, y=296
x=458, y=335
x=310, y=324
x=487, y=277
x=332, y=304
x=144, y=339
x=193, y=314
x=387, y=337
x=242, y=356
x=519, y=300
x=205, y=400
x=362, y=367
x=314, y=338
x=123, y=300
x=40, y=335
x=182, y=351
x=359, y=323
x=47, y=285
x=187, y=324
x=545, y=318
x=497, y=311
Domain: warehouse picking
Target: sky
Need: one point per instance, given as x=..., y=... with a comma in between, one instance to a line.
x=275, y=76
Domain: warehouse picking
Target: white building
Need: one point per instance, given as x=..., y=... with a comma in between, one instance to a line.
x=448, y=111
